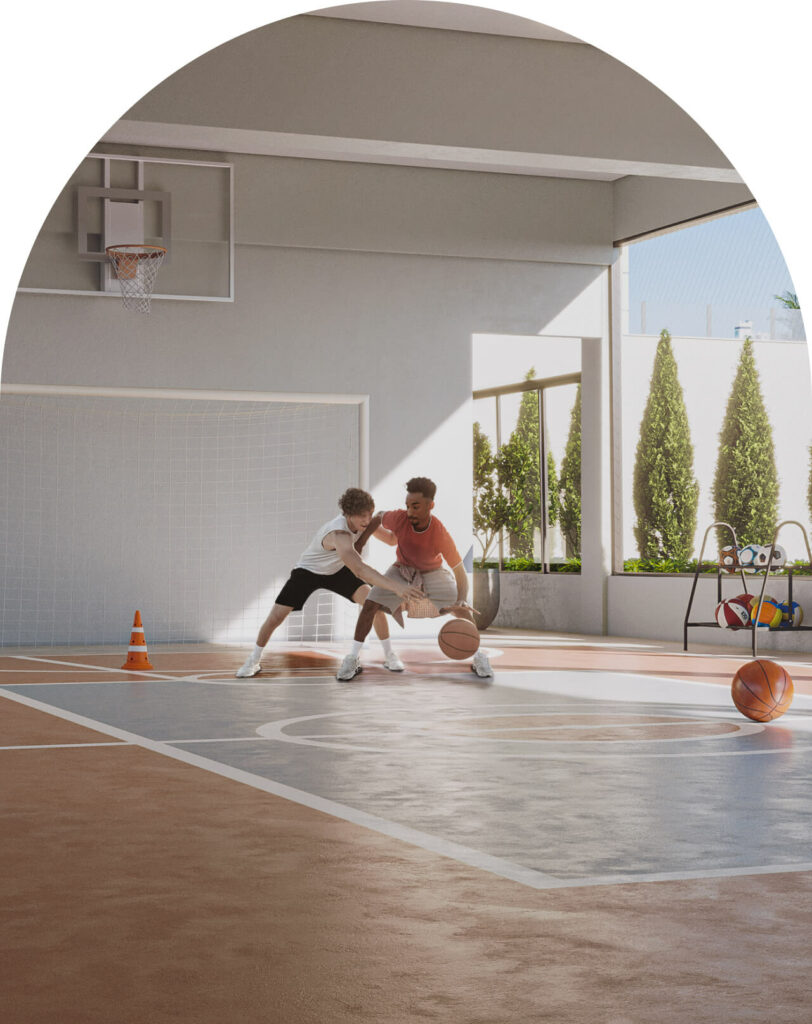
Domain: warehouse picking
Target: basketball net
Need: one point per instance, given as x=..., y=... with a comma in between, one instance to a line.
x=136, y=267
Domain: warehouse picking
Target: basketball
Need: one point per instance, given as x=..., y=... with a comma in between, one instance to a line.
x=732, y=614
x=762, y=690
x=458, y=639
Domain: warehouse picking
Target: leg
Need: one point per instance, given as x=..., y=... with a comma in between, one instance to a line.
x=351, y=665
x=276, y=617
x=366, y=619
x=440, y=586
x=379, y=622
x=390, y=659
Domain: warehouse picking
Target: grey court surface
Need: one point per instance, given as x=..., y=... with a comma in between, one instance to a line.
x=551, y=778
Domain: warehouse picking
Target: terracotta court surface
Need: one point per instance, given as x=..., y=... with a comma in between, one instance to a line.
x=595, y=835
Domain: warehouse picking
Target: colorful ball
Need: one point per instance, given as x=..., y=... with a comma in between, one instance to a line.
x=732, y=614
x=792, y=615
x=729, y=559
x=769, y=616
x=762, y=690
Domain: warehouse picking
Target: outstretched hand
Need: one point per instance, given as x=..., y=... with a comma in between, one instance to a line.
x=408, y=592
x=459, y=608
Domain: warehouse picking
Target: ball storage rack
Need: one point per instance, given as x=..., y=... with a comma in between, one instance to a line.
x=722, y=572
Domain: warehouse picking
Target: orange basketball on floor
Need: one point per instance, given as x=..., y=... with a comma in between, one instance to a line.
x=762, y=690
x=458, y=639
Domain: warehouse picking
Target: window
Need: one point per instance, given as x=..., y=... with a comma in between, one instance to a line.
x=693, y=299
x=521, y=469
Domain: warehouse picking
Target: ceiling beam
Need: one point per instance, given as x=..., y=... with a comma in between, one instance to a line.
x=406, y=154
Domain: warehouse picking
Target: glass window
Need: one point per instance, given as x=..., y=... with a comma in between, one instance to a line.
x=712, y=343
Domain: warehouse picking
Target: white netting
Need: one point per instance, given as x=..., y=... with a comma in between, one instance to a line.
x=136, y=267
x=192, y=510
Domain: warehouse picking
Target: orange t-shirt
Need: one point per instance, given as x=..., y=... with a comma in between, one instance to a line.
x=421, y=550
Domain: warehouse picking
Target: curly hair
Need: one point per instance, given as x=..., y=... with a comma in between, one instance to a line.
x=354, y=501
x=421, y=485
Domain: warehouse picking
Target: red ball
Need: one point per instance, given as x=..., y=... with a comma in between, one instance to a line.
x=762, y=690
x=732, y=614
x=459, y=639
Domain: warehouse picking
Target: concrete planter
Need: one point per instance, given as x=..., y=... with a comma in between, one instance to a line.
x=534, y=600
x=487, y=592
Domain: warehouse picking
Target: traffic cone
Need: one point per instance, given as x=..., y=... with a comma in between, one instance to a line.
x=137, y=657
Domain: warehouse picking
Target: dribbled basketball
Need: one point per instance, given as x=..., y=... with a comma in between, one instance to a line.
x=458, y=639
x=762, y=690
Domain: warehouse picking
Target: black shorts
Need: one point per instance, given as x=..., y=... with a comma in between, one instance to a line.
x=302, y=583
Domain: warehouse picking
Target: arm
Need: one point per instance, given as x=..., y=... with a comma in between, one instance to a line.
x=342, y=544
x=386, y=536
x=462, y=583
x=374, y=523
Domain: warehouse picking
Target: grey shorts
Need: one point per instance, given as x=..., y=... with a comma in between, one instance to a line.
x=439, y=586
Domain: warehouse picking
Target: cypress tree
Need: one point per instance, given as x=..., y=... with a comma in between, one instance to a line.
x=745, y=487
x=527, y=431
x=666, y=493
x=569, y=483
x=498, y=489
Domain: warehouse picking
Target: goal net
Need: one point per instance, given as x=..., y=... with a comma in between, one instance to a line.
x=191, y=510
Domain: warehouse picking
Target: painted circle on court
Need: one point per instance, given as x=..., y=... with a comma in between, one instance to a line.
x=513, y=730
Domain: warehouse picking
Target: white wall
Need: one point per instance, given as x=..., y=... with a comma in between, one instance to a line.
x=397, y=326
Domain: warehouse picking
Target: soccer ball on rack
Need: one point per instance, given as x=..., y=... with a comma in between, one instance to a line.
x=748, y=556
x=729, y=558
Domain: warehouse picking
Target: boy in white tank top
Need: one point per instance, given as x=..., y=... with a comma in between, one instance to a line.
x=331, y=561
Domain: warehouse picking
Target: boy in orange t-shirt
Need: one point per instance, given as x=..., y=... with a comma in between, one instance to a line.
x=422, y=544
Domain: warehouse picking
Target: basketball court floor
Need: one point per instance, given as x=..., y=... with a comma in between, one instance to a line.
x=596, y=835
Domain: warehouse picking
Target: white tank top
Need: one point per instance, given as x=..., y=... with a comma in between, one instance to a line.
x=315, y=558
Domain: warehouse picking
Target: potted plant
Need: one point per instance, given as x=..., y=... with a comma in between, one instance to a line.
x=499, y=504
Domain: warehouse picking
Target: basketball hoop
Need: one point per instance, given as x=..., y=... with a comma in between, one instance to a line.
x=136, y=268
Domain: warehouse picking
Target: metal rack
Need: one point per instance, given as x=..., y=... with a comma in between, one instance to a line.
x=787, y=574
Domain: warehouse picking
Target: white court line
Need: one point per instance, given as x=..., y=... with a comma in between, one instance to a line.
x=96, y=668
x=432, y=844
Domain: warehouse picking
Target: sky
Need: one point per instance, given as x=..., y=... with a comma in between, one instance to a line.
x=733, y=264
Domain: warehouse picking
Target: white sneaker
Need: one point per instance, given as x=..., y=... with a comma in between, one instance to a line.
x=248, y=668
x=481, y=665
x=350, y=667
x=393, y=662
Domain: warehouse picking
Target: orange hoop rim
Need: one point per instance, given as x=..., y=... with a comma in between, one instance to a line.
x=134, y=250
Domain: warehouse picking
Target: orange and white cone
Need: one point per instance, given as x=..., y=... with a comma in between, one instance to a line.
x=137, y=657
